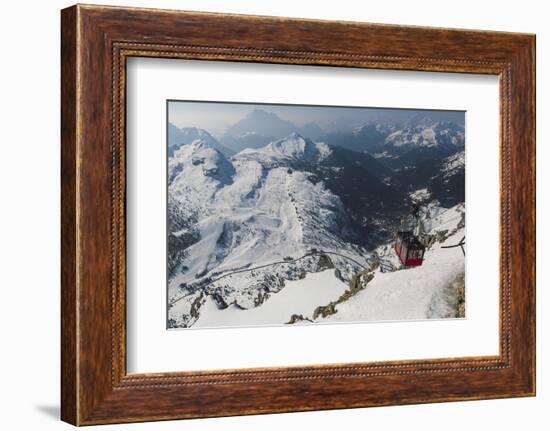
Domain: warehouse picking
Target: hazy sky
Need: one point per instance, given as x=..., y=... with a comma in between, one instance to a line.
x=216, y=117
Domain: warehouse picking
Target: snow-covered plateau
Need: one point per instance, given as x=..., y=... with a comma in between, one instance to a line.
x=297, y=231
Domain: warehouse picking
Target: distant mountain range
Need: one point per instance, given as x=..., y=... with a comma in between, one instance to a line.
x=260, y=127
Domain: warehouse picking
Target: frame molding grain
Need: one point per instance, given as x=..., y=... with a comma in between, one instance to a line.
x=96, y=42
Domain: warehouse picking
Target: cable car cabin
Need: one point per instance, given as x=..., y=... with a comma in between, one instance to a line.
x=409, y=249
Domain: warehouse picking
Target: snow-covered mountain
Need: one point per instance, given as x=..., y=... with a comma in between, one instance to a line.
x=248, y=211
x=293, y=148
x=186, y=135
x=423, y=141
x=356, y=178
x=433, y=135
x=402, y=145
x=453, y=165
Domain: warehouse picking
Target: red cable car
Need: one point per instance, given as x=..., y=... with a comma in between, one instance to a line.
x=409, y=249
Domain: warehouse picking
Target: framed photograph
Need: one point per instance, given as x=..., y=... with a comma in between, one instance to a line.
x=264, y=215
x=279, y=221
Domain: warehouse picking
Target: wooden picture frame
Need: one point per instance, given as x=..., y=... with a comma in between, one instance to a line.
x=95, y=43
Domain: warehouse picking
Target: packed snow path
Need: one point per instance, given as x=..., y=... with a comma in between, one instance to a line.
x=312, y=253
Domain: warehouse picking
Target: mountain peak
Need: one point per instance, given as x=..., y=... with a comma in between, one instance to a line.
x=434, y=134
x=177, y=137
x=201, y=143
x=201, y=155
x=295, y=135
x=198, y=147
x=261, y=122
x=293, y=147
x=261, y=112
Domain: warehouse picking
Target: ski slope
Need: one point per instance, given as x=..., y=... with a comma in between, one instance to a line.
x=424, y=292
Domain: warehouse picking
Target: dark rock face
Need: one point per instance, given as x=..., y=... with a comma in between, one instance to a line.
x=297, y=318
x=357, y=283
x=324, y=263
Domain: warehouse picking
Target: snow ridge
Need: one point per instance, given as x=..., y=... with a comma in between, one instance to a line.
x=292, y=148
